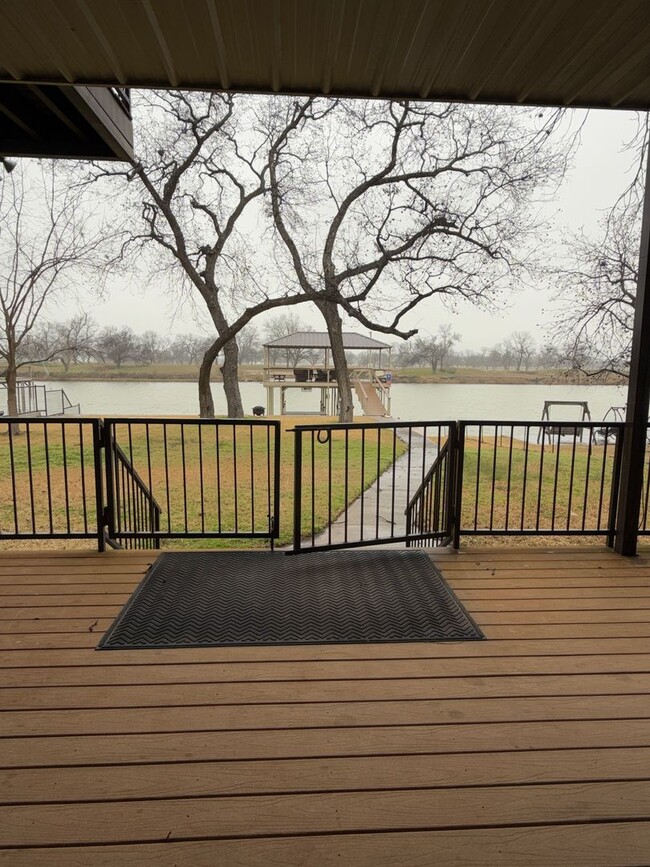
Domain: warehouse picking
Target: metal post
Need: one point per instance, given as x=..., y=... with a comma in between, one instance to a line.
x=616, y=482
x=457, y=483
x=297, y=489
x=277, y=448
x=99, y=488
x=638, y=399
x=452, y=462
x=110, y=492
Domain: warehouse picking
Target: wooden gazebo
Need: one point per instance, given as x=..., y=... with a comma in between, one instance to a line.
x=303, y=360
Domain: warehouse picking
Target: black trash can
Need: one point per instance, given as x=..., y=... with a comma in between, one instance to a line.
x=258, y=410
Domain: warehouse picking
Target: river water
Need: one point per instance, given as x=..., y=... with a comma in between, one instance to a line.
x=414, y=402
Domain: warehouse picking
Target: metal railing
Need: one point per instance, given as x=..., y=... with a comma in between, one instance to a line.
x=38, y=400
x=134, y=482
x=133, y=513
x=192, y=478
x=354, y=482
x=51, y=479
x=429, y=511
x=537, y=478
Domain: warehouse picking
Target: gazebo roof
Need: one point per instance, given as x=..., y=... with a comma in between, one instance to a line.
x=321, y=340
x=559, y=52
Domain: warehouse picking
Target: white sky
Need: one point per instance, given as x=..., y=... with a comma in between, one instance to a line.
x=592, y=185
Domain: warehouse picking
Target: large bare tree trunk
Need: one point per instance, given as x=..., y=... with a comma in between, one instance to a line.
x=334, y=324
x=229, y=370
x=230, y=373
x=206, y=402
x=12, y=389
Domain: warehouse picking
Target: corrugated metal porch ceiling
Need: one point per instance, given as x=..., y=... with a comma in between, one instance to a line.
x=567, y=52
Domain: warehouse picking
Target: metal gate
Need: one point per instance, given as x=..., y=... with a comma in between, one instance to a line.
x=380, y=483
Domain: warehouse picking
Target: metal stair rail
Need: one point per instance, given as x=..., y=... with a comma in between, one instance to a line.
x=429, y=512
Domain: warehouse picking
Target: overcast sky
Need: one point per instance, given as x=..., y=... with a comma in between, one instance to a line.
x=592, y=185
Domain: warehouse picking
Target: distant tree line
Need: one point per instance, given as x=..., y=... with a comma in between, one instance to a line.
x=79, y=340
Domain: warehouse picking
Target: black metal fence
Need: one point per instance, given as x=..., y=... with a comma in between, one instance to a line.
x=133, y=482
x=51, y=479
x=537, y=478
x=354, y=483
x=192, y=478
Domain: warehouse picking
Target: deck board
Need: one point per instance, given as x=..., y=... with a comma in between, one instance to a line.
x=532, y=747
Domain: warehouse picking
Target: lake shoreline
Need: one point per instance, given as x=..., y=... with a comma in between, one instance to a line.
x=410, y=376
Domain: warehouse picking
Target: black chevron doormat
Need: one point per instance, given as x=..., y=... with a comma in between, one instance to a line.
x=194, y=599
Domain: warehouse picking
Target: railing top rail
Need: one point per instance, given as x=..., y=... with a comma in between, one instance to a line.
x=24, y=418
x=564, y=422
x=231, y=422
x=371, y=424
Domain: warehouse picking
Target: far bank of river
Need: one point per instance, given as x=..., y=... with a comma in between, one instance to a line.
x=410, y=401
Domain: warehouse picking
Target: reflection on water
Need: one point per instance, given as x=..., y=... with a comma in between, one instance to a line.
x=409, y=401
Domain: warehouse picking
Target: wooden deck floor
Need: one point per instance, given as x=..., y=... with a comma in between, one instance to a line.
x=530, y=748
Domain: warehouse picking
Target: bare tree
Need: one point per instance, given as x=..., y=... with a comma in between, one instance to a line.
x=202, y=163
x=77, y=338
x=598, y=285
x=434, y=349
x=282, y=325
x=118, y=345
x=249, y=344
x=152, y=347
x=381, y=205
x=447, y=338
x=425, y=350
x=188, y=348
x=48, y=236
x=520, y=346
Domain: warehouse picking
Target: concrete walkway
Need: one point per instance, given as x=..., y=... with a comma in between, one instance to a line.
x=387, y=498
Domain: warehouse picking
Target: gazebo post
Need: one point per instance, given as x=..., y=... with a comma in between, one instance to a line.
x=638, y=400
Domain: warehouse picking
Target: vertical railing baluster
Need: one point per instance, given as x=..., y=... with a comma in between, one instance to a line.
x=218, y=456
x=167, y=491
x=10, y=434
x=363, y=479
x=48, y=476
x=234, y=476
x=571, y=478
x=541, y=476
x=478, y=474
x=525, y=476
x=252, y=476
x=201, y=485
x=377, y=483
x=557, y=469
x=297, y=490
x=313, y=489
x=585, y=503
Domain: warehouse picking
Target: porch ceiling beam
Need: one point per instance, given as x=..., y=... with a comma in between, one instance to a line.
x=638, y=399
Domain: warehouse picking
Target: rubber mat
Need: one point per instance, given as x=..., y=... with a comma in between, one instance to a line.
x=196, y=599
